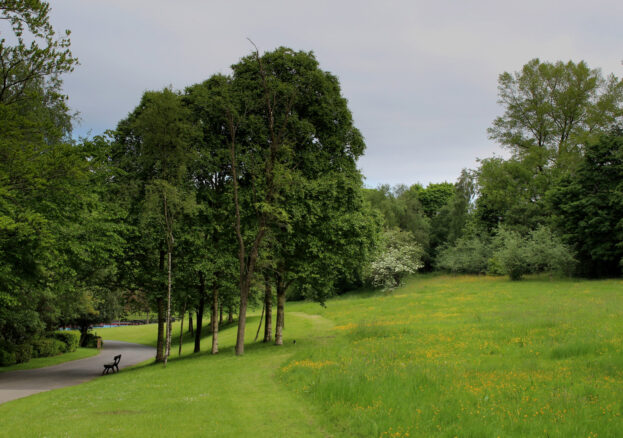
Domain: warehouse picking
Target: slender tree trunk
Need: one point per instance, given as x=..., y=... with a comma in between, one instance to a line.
x=190, y=323
x=268, y=304
x=242, y=318
x=259, y=327
x=161, y=317
x=281, y=303
x=161, y=320
x=84, y=330
x=215, y=320
x=179, y=353
x=220, y=312
x=147, y=318
x=202, y=302
x=230, y=314
x=247, y=266
x=168, y=350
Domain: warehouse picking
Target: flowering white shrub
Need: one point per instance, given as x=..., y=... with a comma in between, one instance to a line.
x=398, y=256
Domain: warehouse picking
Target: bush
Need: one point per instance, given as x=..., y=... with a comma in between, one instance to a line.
x=7, y=358
x=398, y=257
x=540, y=251
x=469, y=255
x=46, y=347
x=23, y=353
x=90, y=340
x=71, y=339
x=512, y=253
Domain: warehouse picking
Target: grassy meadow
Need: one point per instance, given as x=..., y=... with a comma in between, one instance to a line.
x=442, y=356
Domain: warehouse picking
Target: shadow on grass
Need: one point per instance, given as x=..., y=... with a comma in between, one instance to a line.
x=252, y=348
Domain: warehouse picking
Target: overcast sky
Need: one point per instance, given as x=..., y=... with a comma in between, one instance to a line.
x=420, y=77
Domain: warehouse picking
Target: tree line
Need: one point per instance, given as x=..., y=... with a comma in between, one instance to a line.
x=555, y=205
x=225, y=194
x=243, y=190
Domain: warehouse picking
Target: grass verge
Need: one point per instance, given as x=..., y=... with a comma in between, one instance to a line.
x=40, y=362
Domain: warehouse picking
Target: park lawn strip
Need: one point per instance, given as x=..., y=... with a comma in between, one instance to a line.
x=196, y=395
x=40, y=362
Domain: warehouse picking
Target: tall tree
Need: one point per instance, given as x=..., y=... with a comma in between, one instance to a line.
x=552, y=107
x=154, y=151
x=285, y=120
x=588, y=207
x=210, y=170
x=37, y=57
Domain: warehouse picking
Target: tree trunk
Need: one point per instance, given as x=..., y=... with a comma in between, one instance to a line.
x=220, y=318
x=259, y=326
x=161, y=318
x=215, y=320
x=84, y=330
x=268, y=304
x=190, y=323
x=160, y=343
x=230, y=314
x=179, y=353
x=168, y=348
x=147, y=318
x=281, y=303
x=242, y=318
x=202, y=302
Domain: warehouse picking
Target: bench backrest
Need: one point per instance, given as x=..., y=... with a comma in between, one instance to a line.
x=117, y=359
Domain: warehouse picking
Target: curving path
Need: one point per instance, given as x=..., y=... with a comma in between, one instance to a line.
x=18, y=384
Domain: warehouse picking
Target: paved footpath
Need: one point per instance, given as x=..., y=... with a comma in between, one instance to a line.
x=18, y=384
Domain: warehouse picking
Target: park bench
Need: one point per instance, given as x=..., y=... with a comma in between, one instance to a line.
x=113, y=365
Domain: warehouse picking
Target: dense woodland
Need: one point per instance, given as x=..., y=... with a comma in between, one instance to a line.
x=243, y=190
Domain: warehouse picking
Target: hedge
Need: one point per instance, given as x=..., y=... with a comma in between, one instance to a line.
x=71, y=339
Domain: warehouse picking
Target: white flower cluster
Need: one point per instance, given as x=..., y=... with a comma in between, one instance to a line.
x=400, y=257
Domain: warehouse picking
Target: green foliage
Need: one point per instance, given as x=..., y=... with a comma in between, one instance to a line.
x=553, y=107
x=398, y=256
x=513, y=253
x=36, y=56
x=58, y=235
x=469, y=255
x=511, y=192
x=588, y=206
x=45, y=347
x=508, y=253
x=23, y=352
x=539, y=251
x=70, y=338
x=90, y=340
x=7, y=358
x=434, y=197
x=401, y=207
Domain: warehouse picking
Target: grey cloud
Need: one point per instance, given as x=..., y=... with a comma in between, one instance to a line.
x=420, y=77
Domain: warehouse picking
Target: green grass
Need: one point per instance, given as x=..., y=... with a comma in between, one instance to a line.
x=470, y=356
x=442, y=356
x=196, y=395
x=40, y=362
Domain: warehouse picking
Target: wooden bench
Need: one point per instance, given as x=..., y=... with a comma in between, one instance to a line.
x=112, y=366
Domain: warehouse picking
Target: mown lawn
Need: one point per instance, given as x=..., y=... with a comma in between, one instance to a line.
x=196, y=395
x=442, y=356
x=40, y=362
